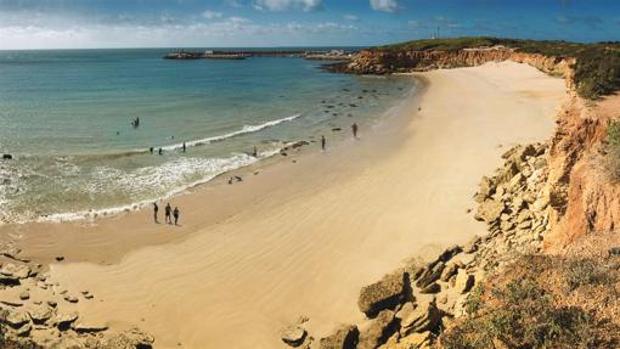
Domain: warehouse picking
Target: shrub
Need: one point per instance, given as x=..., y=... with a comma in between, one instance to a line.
x=612, y=158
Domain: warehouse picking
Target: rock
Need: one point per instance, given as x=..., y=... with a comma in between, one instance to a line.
x=464, y=281
x=490, y=211
x=18, y=271
x=431, y=274
x=60, y=258
x=40, y=314
x=9, y=280
x=416, y=341
x=472, y=245
x=70, y=298
x=614, y=251
x=133, y=338
x=52, y=303
x=24, y=330
x=384, y=294
x=523, y=216
x=405, y=311
x=432, y=288
x=88, y=328
x=426, y=317
x=449, y=252
x=540, y=163
x=515, y=182
x=345, y=337
x=64, y=321
x=487, y=188
x=293, y=335
x=378, y=331
x=450, y=270
x=16, y=319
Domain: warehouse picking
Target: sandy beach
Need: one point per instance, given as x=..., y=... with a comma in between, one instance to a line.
x=301, y=237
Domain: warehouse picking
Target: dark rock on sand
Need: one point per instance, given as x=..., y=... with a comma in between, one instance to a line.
x=345, y=337
x=378, y=331
x=384, y=294
x=293, y=335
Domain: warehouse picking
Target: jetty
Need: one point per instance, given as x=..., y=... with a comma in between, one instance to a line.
x=333, y=55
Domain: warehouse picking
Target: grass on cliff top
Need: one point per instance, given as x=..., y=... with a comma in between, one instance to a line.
x=597, y=71
x=542, y=302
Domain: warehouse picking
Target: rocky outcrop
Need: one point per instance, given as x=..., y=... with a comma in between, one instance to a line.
x=35, y=311
x=515, y=208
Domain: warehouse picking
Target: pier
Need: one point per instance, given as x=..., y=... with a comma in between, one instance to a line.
x=335, y=55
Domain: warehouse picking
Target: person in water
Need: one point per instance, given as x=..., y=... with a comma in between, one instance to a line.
x=175, y=213
x=255, y=152
x=184, y=147
x=161, y=151
x=354, y=128
x=323, y=142
x=151, y=150
x=155, y=211
x=168, y=211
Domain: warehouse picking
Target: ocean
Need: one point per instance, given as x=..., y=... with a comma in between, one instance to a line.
x=65, y=116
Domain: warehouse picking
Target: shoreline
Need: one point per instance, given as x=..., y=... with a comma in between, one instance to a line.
x=315, y=236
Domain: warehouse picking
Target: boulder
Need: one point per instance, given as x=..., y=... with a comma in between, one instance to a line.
x=416, y=341
x=17, y=271
x=133, y=338
x=40, y=314
x=487, y=188
x=450, y=270
x=432, y=288
x=449, y=252
x=472, y=245
x=464, y=282
x=378, y=331
x=88, y=328
x=293, y=335
x=24, y=330
x=64, y=321
x=426, y=317
x=431, y=274
x=345, y=337
x=16, y=319
x=384, y=294
x=490, y=211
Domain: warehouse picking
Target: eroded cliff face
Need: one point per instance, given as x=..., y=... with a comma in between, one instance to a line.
x=581, y=198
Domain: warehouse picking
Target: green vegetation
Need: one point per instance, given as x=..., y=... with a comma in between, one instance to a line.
x=524, y=308
x=597, y=68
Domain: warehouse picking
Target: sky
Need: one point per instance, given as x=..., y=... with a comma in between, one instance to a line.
x=39, y=24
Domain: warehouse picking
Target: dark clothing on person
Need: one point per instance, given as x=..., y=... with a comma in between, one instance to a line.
x=175, y=213
x=184, y=147
x=168, y=210
x=151, y=150
x=354, y=128
x=155, y=211
x=161, y=151
x=255, y=152
x=323, y=141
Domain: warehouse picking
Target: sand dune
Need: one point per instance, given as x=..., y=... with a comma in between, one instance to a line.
x=302, y=238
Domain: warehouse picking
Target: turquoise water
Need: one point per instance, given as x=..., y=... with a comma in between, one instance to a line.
x=65, y=115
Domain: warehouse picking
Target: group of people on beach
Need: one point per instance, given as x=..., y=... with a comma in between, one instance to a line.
x=169, y=214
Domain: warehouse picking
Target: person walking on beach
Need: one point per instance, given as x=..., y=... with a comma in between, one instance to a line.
x=175, y=213
x=155, y=211
x=354, y=128
x=168, y=210
x=323, y=141
x=184, y=147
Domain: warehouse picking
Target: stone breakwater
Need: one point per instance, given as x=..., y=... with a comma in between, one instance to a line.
x=412, y=306
x=35, y=311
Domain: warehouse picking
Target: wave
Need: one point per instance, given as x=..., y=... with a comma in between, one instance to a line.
x=244, y=130
x=213, y=167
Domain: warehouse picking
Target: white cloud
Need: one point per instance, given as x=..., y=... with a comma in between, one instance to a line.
x=352, y=18
x=283, y=5
x=384, y=5
x=208, y=14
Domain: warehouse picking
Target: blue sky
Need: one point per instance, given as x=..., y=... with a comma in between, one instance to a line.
x=27, y=24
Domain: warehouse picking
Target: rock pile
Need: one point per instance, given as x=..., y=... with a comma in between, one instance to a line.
x=409, y=308
x=35, y=311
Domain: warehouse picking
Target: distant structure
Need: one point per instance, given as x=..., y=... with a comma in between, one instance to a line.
x=332, y=55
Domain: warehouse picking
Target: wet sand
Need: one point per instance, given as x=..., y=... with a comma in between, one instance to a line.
x=302, y=238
